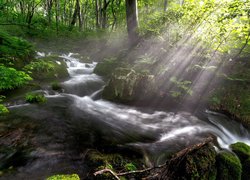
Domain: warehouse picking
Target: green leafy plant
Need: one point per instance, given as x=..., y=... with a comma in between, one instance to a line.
x=182, y=86
x=13, y=48
x=35, y=98
x=39, y=66
x=130, y=167
x=10, y=78
x=3, y=109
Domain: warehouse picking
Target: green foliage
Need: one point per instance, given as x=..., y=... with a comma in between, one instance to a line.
x=3, y=109
x=40, y=66
x=35, y=98
x=11, y=78
x=14, y=49
x=182, y=87
x=229, y=166
x=64, y=177
x=130, y=167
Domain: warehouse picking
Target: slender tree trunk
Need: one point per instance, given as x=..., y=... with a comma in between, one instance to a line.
x=49, y=10
x=97, y=13
x=104, y=13
x=165, y=5
x=132, y=21
x=30, y=13
x=114, y=15
x=75, y=14
x=57, y=15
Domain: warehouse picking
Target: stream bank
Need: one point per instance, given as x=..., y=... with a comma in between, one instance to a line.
x=77, y=132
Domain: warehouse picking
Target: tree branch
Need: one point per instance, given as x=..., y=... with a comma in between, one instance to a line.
x=107, y=170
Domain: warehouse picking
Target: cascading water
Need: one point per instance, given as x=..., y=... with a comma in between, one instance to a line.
x=78, y=112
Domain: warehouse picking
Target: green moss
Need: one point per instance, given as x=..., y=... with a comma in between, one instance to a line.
x=229, y=166
x=64, y=177
x=201, y=164
x=242, y=150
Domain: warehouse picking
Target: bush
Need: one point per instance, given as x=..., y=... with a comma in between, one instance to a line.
x=10, y=78
x=35, y=98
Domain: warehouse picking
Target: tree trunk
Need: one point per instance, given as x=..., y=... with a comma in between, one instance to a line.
x=49, y=9
x=104, y=13
x=76, y=13
x=132, y=21
x=97, y=14
x=165, y=5
x=79, y=14
x=57, y=15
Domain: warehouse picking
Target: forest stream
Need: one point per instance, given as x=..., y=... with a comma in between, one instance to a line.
x=78, y=118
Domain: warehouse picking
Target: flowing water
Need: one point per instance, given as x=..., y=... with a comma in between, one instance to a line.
x=79, y=118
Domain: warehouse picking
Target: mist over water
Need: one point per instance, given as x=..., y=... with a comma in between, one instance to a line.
x=79, y=116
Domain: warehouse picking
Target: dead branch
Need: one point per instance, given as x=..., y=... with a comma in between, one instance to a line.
x=164, y=169
x=107, y=170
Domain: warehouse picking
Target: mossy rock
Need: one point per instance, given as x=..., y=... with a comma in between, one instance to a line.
x=228, y=166
x=201, y=164
x=242, y=150
x=56, y=86
x=106, y=67
x=126, y=85
x=246, y=170
x=48, y=69
x=97, y=160
x=64, y=177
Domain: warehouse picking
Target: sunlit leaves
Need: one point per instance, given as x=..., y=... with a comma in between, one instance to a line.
x=10, y=78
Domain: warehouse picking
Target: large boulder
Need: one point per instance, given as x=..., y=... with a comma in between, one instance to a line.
x=126, y=85
x=228, y=166
x=106, y=67
x=242, y=150
x=197, y=163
